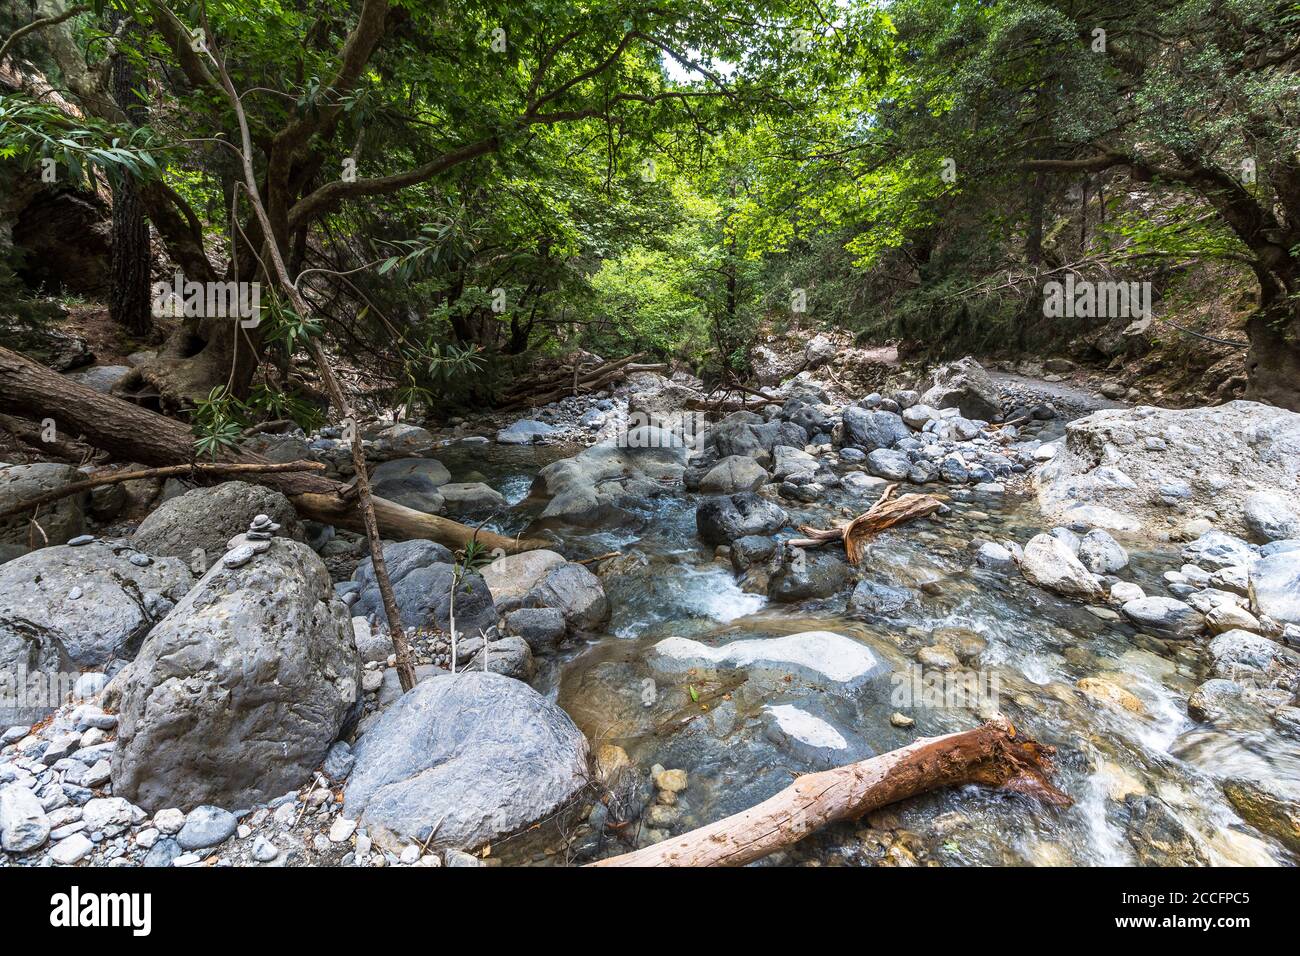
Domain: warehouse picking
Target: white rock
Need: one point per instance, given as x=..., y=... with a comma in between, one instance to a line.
x=23, y=823
x=72, y=850
x=840, y=663
x=342, y=829
x=1049, y=563
x=169, y=821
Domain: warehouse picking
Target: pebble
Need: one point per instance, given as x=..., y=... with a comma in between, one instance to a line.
x=72, y=850
x=80, y=539
x=264, y=851
x=140, y=560
x=342, y=829
x=238, y=557
x=169, y=821
x=206, y=826
x=900, y=720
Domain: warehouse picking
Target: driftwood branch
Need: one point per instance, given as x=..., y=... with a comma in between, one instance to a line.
x=885, y=513
x=117, y=477
x=992, y=755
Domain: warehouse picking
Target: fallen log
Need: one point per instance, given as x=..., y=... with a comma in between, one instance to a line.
x=885, y=513
x=130, y=432
x=992, y=755
x=117, y=477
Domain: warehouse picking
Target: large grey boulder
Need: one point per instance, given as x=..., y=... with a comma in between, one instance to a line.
x=829, y=661
x=238, y=694
x=1164, y=616
x=421, y=573
x=413, y=482
x=723, y=519
x=870, y=429
x=734, y=473
x=750, y=436
x=1050, y=562
x=1275, y=587
x=964, y=385
x=207, y=518
x=1269, y=516
x=1207, y=461
x=514, y=575
x=60, y=520
x=464, y=759
x=64, y=609
x=575, y=592
x=600, y=483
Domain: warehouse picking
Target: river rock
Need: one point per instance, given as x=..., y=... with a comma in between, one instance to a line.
x=467, y=758
x=1102, y=554
x=207, y=518
x=1050, y=563
x=602, y=482
x=812, y=736
x=413, y=482
x=206, y=826
x=862, y=485
x=68, y=608
x=61, y=520
x=23, y=823
x=1269, y=516
x=575, y=592
x=787, y=462
x=510, y=577
x=526, y=431
x=1275, y=587
x=510, y=656
x=869, y=430
x=421, y=573
x=399, y=441
x=1164, y=616
x=1217, y=549
x=237, y=694
x=734, y=473
x=723, y=519
x=964, y=385
x=1269, y=806
x=1233, y=650
x=807, y=575
x=832, y=662
x=890, y=464
x=748, y=435
x=542, y=628
x=471, y=496
x=1218, y=457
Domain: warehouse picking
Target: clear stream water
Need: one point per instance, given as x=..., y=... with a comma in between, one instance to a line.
x=1037, y=646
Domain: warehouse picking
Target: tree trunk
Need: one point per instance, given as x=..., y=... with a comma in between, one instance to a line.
x=1273, y=362
x=991, y=755
x=132, y=433
x=129, y=300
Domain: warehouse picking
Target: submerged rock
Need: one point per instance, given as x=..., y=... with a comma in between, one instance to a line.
x=1164, y=616
x=831, y=661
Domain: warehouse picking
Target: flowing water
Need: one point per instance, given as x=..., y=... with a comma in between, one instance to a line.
x=1142, y=775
